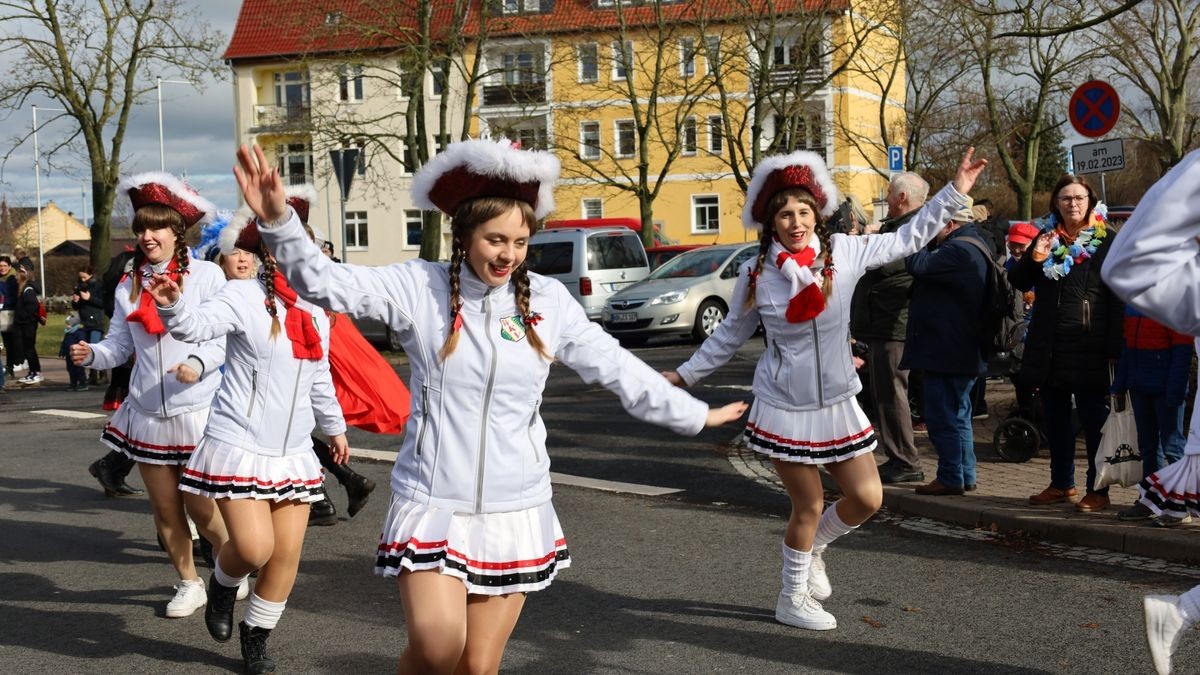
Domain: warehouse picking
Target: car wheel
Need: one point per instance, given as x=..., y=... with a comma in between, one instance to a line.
x=393, y=340
x=632, y=340
x=710, y=315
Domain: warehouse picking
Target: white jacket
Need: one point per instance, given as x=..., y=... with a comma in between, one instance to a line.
x=475, y=442
x=269, y=400
x=1154, y=261
x=807, y=365
x=152, y=390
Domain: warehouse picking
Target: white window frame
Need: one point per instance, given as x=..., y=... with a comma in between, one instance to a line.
x=712, y=47
x=411, y=216
x=434, y=69
x=617, y=138
x=364, y=224
x=584, y=147
x=687, y=56
x=595, y=48
x=618, y=60
x=401, y=73
x=584, y=203
x=282, y=83
x=350, y=83
x=284, y=150
x=720, y=122
x=404, y=169
x=695, y=206
x=689, y=121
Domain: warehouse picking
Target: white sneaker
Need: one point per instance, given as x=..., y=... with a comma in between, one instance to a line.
x=1164, y=628
x=802, y=611
x=189, y=597
x=20, y=366
x=818, y=581
x=35, y=378
x=244, y=589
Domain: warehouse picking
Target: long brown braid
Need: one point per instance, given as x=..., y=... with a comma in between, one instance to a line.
x=470, y=215
x=778, y=201
x=268, y=277
x=158, y=217
x=764, y=245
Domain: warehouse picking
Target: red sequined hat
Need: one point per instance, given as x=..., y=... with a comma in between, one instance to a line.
x=301, y=198
x=241, y=232
x=485, y=168
x=164, y=189
x=775, y=174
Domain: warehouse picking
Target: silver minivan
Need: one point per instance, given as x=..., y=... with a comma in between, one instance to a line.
x=592, y=262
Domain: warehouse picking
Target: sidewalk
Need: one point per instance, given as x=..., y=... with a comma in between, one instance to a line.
x=1001, y=502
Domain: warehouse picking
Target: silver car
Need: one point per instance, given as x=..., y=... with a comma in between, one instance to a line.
x=689, y=294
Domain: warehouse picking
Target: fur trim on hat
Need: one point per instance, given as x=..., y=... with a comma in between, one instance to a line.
x=820, y=184
x=486, y=168
x=231, y=235
x=306, y=193
x=132, y=193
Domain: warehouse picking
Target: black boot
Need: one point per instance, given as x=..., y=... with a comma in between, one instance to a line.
x=254, y=649
x=121, y=465
x=218, y=613
x=358, y=489
x=111, y=470
x=322, y=512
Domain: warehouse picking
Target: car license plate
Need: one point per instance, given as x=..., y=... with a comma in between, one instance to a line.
x=624, y=317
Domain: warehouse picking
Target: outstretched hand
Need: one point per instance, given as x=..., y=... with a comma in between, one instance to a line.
x=262, y=188
x=727, y=413
x=968, y=171
x=163, y=289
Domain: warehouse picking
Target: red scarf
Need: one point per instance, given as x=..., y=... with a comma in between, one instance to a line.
x=371, y=394
x=147, y=311
x=306, y=341
x=808, y=300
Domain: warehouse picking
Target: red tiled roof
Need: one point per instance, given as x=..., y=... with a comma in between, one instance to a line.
x=282, y=28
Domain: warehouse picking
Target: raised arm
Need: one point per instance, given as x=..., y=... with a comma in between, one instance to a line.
x=739, y=324
x=216, y=317
x=1154, y=262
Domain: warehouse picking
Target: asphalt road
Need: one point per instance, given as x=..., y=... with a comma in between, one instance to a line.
x=683, y=583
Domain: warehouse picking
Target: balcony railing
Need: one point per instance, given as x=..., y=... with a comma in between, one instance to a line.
x=281, y=117
x=783, y=76
x=514, y=94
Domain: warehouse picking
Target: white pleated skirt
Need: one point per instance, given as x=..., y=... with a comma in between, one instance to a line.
x=832, y=434
x=1174, y=490
x=219, y=470
x=492, y=553
x=154, y=440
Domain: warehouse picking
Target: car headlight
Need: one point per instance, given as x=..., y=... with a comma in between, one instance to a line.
x=670, y=298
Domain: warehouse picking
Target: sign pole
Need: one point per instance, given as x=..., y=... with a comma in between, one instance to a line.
x=1103, y=189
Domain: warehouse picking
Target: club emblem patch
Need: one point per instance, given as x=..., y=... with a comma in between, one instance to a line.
x=512, y=328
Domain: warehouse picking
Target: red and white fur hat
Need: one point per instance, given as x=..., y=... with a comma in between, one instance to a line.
x=774, y=174
x=302, y=198
x=487, y=168
x=241, y=232
x=158, y=187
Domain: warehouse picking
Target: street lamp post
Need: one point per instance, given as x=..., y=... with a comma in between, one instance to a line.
x=37, y=182
x=162, y=160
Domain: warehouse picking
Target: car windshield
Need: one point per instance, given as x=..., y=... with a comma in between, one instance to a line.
x=692, y=264
x=551, y=257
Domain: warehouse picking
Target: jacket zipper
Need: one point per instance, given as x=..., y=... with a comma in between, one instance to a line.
x=162, y=376
x=529, y=429
x=487, y=398
x=424, y=419
x=817, y=365
x=253, y=392
x=779, y=357
x=1087, y=315
x=295, y=388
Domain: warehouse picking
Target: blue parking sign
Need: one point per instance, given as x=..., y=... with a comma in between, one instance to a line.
x=895, y=158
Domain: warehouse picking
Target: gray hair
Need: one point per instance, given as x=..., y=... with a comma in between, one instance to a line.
x=911, y=184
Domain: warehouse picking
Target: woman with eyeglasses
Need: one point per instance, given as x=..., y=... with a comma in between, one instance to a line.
x=1075, y=334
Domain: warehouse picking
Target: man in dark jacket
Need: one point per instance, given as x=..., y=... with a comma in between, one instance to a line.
x=943, y=341
x=8, y=301
x=878, y=314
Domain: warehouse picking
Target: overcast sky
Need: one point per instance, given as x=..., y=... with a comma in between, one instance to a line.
x=197, y=132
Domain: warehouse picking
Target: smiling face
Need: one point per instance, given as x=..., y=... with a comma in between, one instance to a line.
x=497, y=246
x=795, y=222
x=157, y=228
x=238, y=265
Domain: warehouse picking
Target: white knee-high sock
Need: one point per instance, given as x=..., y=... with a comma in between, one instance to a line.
x=224, y=579
x=831, y=527
x=263, y=613
x=795, y=570
x=1189, y=606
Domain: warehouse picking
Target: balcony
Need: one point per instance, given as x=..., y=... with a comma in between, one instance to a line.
x=514, y=94
x=277, y=118
x=791, y=76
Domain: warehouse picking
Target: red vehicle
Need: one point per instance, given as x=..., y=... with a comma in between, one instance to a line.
x=661, y=254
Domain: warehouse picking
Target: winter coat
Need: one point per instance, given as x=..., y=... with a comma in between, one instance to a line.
x=1156, y=360
x=949, y=283
x=91, y=311
x=879, y=309
x=1076, y=326
x=27, y=306
x=475, y=441
x=807, y=366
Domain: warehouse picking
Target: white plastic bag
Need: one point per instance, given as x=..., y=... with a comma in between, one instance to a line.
x=1118, y=461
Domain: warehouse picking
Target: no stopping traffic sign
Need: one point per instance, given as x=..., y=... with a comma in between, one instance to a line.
x=1094, y=108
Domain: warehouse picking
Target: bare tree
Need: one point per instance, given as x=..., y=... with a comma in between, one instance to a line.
x=97, y=59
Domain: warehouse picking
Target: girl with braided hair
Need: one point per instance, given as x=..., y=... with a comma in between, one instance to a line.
x=805, y=413
x=256, y=456
x=172, y=383
x=471, y=528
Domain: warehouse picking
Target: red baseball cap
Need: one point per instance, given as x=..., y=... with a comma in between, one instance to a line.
x=1022, y=233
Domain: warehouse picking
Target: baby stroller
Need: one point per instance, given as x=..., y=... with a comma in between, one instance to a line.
x=1022, y=432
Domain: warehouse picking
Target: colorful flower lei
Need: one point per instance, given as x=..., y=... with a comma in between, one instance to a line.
x=1063, y=257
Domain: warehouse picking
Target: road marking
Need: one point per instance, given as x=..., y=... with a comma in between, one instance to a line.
x=555, y=478
x=73, y=414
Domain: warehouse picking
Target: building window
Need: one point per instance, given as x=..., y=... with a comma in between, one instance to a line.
x=409, y=82
x=291, y=89
x=589, y=140
x=688, y=136
x=532, y=138
x=687, y=57
x=439, y=77
x=361, y=165
x=589, y=62
x=712, y=52
x=295, y=163
x=622, y=60
x=792, y=52
x=716, y=135
x=409, y=157
x=350, y=83
x=524, y=6
x=706, y=214
x=799, y=132
x=626, y=138
x=412, y=229
x=593, y=208
x=356, y=230
x=522, y=68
